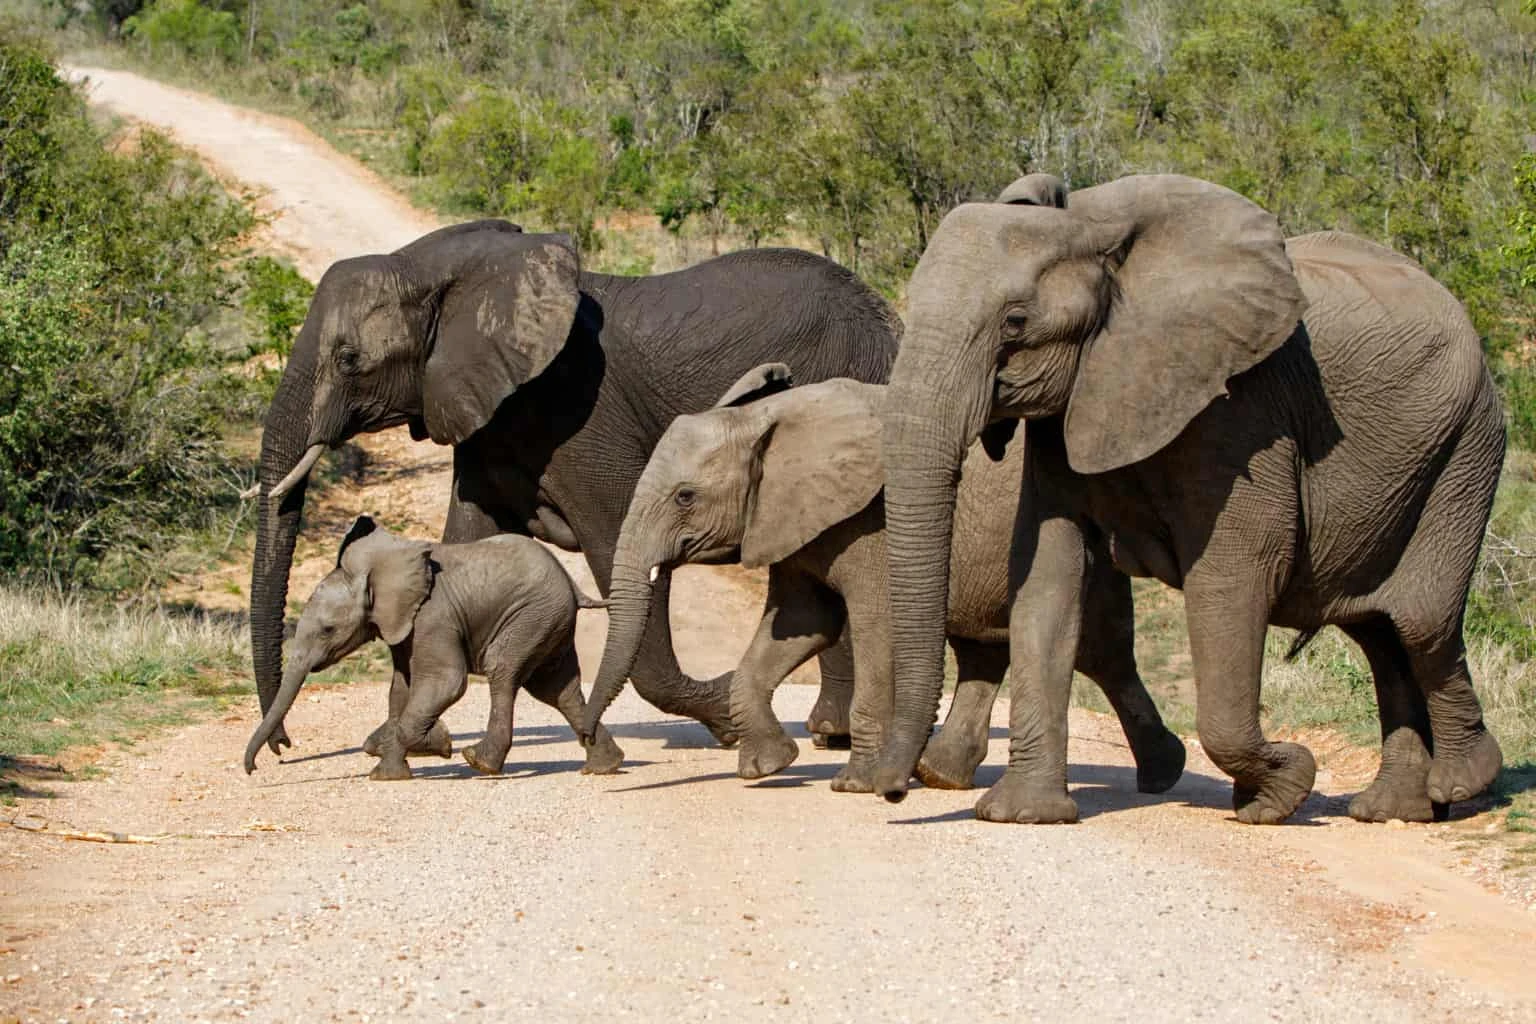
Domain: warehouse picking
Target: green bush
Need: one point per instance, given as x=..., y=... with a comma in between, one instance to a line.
x=277, y=296
x=114, y=402
x=187, y=28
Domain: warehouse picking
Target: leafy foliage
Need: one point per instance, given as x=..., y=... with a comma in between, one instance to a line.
x=112, y=409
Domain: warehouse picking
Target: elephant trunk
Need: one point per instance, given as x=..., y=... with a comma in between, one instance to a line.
x=284, y=446
x=298, y=670
x=629, y=607
x=935, y=407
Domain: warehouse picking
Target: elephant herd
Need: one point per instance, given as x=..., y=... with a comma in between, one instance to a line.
x=1297, y=432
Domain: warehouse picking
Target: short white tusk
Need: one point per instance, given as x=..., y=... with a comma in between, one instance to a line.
x=299, y=472
x=251, y=491
x=655, y=571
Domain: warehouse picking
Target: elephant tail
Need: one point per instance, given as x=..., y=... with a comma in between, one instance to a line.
x=1299, y=644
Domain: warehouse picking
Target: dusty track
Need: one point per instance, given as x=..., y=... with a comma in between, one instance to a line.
x=675, y=891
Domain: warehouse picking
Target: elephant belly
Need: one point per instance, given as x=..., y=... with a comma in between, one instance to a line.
x=1137, y=554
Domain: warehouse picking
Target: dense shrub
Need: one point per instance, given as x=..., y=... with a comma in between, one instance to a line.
x=113, y=403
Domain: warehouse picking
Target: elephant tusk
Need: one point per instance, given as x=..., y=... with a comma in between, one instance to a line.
x=299, y=472
x=251, y=491
x=655, y=571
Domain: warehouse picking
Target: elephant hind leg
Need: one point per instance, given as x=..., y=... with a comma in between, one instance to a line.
x=1399, y=790
x=952, y=756
x=558, y=683
x=1426, y=600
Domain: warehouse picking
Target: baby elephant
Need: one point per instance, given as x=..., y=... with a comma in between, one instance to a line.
x=503, y=607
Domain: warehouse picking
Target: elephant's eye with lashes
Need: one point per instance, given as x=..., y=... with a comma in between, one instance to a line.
x=1013, y=326
x=685, y=497
x=347, y=358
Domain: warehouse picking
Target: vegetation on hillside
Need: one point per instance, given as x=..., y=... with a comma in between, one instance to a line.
x=120, y=267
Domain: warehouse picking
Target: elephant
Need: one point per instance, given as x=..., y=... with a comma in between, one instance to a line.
x=791, y=479
x=552, y=384
x=502, y=606
x=1295, y=433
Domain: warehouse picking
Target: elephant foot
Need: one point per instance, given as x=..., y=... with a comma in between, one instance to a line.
x=950, y=760
x=828, y=724
x=1461, y=777
x=1284, y=786
x=604, y=757
x=765, y=756
x=390, y=771
x=1159, y=762
x=857, y=776
x=481, y=761
x=439, y=741
x=1017, y=798
x=1400, y=788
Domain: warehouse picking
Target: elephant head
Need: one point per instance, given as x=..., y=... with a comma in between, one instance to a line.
x=756, y=478
x=1123, y=315
x=436, y=335
x=379, y=583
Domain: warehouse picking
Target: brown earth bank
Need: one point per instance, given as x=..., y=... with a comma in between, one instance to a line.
x=172, y=887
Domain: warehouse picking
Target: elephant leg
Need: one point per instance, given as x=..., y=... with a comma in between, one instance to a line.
x=952, y=756
x=558, y=683
x=434, y=688
x=1107, y=655
x=800, y=620
x=1466, y=756
x=488, y=755
x=661, y=681
x=869, y=717
x=1228, y=617
x=1047, y=563
x=438, y=740
x=828, y=721
x=1400, y=789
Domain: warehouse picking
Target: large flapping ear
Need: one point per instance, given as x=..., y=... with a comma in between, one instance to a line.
x=819, y=463
x=400, y=576
x=1036, y=190
x=758, y=382
x=1206, y=291
x=504, y=302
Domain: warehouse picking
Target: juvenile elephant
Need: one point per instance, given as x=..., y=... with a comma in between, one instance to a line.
x=792, y=480
x=552, y=384
x=502, y=607
x=1296, y=433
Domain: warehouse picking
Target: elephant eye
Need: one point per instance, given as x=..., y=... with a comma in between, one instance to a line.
x=1014, y=324
x=347, y=357
x=685, y=497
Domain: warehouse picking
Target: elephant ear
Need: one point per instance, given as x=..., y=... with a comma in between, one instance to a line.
x=818, y=463
x=505, y=303
x=400, y=576
x=758, y=382
x=1205, y=291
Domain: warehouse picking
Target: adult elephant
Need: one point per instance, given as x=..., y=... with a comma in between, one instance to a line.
x=1297, y=433
x=553, y=384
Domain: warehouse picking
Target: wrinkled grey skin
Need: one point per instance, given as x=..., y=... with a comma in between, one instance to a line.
x=1295, y=433
x=552, y=385
x=501, y=607
x=791, y=480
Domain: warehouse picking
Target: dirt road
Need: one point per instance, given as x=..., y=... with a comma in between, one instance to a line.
x=675, y=891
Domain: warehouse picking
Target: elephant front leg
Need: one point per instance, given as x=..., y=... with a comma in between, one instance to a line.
x=1106, y=654
x=828, y=721
x=799, y=621
x=438, y=741
x=1228, y=618
x=952, y=756
x=1043, y=632
x=431, y=695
